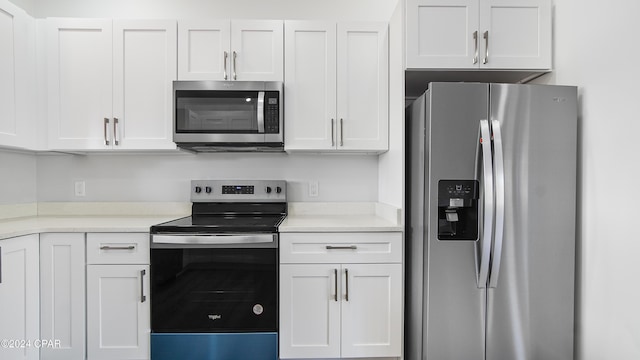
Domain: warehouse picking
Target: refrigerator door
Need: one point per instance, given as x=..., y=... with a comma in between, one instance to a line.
x=416, y=158
x=530, y=312
x=454, y=306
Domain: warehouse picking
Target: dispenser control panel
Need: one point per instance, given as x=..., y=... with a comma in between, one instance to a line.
x=458, y=209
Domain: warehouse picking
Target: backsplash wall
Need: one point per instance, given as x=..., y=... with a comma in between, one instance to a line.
x=166, y=177
x=17, y=178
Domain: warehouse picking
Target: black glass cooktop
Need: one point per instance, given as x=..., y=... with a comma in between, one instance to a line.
x=227, y=218
x=214, y=223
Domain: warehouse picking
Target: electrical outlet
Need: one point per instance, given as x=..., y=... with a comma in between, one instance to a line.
x=314, y=189
x=80, y=188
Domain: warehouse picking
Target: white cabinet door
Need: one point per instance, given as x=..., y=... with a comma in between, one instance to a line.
x=203, y=49
x=62, y=295
x=478, y=34
x=250, y=50
x=337, y=85
x=310, y=73
x=17, y=77
x=19, y=296
x=79, y=74
x=144, y=68
x=309, y=311
x=118, y=313
x=363, y=87
x=372, y=314
x=518, y=34
x=257, y=52
x=440, y=34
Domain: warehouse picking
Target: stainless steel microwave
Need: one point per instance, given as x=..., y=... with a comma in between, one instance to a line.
x=212, y=116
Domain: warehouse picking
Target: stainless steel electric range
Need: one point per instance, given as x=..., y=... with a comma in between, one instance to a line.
x=214, y=274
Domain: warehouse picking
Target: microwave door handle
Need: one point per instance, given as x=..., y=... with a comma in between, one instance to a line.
x=260, y=114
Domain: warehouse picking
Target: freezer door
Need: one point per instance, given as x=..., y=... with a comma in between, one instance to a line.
x=454, y=306
x=530, y=301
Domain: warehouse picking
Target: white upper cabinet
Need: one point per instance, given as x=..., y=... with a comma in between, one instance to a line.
x=17, y=77
x=336, y=81
x=144, y=67
x=363, y=87
x=310, y=85
x=79, y=73
x=250, y=50
x=478, y=34
x=109, y=83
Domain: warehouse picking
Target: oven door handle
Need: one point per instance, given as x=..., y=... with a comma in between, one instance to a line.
x=214, y=239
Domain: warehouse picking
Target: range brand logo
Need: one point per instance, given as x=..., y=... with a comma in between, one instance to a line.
x=214, y=316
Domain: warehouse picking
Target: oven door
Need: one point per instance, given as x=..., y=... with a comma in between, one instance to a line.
x=203, y=284
x=214, y=297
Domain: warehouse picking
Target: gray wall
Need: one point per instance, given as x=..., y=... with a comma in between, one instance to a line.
x=596, y=49
x=166, y=177
x=17, y=178
x=232, y=9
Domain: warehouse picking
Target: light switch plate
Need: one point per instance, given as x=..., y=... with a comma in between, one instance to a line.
x=314, y=189
x=80, y=188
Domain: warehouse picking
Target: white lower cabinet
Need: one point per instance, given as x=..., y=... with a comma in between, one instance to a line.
x=19, y=298
x=340, y=310
x=62, y=296
x=118, y=311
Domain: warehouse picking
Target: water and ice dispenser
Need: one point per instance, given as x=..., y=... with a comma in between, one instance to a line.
x=458, y=209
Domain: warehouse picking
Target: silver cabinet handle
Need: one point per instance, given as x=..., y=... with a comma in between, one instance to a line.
x=143, y=298
x=106, y=124
x=341, y=133
x=335, y=285
x=486, y=47
x=348, y=247
x=106, y=247
x=260, y=112
x=224, y=62
x=0, y=264
x=346, y=277
x=333, y=132
x=235, y=76
x=115, y=131
x=475, y=40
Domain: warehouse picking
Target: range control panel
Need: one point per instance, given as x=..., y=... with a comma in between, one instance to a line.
x=238, y=191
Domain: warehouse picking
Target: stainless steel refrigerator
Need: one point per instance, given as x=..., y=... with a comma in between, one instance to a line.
x=491, y=199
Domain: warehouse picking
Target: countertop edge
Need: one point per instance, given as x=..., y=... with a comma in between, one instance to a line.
x=99, y=217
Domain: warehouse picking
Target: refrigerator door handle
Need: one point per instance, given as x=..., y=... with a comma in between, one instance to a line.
x=498, y=168
x=485, y=162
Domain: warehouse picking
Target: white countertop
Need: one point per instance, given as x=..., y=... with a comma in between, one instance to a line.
x=341, y=217
x=77, y=223
x=136, y=217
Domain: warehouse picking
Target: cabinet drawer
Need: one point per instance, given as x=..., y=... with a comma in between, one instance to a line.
x=117, y=248
x=373, y=247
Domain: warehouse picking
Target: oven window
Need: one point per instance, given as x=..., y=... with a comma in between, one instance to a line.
x=214, y=290
x=216, y=112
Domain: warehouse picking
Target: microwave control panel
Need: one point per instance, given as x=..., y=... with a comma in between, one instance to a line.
x=271, y=112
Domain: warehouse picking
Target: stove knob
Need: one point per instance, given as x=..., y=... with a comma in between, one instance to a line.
x=268, y=189
x=207, y=189
x=198, y=189
x=278, y=189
